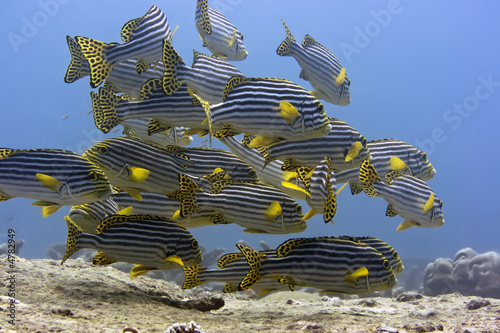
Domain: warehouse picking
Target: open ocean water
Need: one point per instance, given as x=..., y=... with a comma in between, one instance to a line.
x=423, y=72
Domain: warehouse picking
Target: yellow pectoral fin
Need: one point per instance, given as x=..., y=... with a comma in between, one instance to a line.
x=49, y=210
x=429, y=203
x=273, y=211
x=134, y=193
x=354, y=151
x=175, y=258
x=289, y=112
x=287, y=175
x=263, y=292
x=139, y=270
x=262, y=140
x=49, y=182
x=295, y=187
x=231, y=42
x=176, y=215
x=125, y=211
x=309, y=214
x=353, y=277
x=138, y=175
x=405, y=225
x=397, y=164
x=340, y=78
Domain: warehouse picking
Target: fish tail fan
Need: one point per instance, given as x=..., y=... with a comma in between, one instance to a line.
x=284, y=49
x=187, y=189
x=367, y=177
x=95, y=53
x=192, y=277
x=330, y=204
x=78, y=66
x=106, y=118
x=254, y=259
x=171, y=60
x=73, y=232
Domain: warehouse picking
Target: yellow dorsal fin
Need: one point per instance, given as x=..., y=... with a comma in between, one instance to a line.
x=136, y=194
x=339, y=80
x=353, y=277
x=397, y=164
x=354, y=151
x=273, y=211
x=231, y=42
x=139, y=270
x=289, y=112
x=309, y=214
x=125, y=211
x=429, y=203
x=138, y=175
x=49, y=182
x=175, y=258
x=405, y=225
x=295, y=187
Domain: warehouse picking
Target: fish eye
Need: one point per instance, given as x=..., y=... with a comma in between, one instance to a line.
x=93, y=176
x=194, y=243
x=298, y=209
x=386, y=264
x=424, y=157
x=252, y=174
x=103, y=150
x=395, y=255
x=364, y=142
x=440, y=204
x=241, y=36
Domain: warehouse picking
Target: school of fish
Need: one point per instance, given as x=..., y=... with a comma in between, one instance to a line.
x=134, y=197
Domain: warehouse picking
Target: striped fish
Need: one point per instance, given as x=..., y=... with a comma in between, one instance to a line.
x=160, y=205
x=88, y=216
x=387, y=155
x=321, y=186
x=409, y=197
x=150, y=242
x=386, y=250
x=207, y=76
x=123, y=77
x=272, y=109
x=143, y=40
x=136, y=166
x=331, y=264
x=219, y=35
x=139, y=128
x=53, y=177
x=258, y=208
x=343, y=144
x=166, y=111
x=203, y=161
x=231, y=273
x=270, y=174
x=319, y=67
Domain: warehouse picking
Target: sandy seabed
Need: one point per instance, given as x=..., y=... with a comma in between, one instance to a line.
x=80, y=297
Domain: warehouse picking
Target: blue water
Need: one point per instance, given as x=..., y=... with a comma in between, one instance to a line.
x=419, y=73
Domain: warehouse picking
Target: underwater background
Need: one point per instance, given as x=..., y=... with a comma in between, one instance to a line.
x=423, y=72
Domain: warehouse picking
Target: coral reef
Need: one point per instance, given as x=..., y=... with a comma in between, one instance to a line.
x=469, y=274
